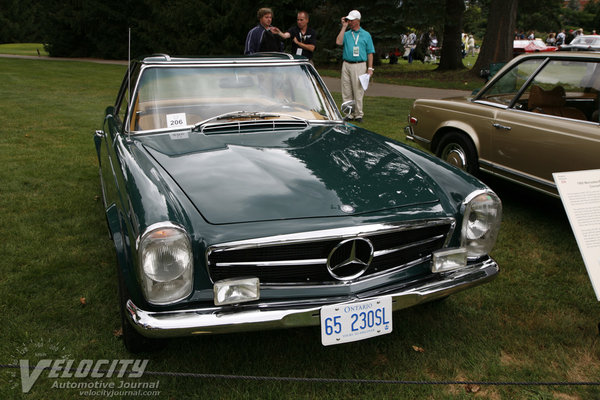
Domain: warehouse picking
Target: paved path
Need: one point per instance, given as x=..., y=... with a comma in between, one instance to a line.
x=405, y=92
x=334, y=85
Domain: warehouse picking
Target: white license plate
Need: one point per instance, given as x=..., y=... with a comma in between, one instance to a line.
x=350, y=322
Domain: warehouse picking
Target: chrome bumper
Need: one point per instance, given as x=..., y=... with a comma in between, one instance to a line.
x=263, y=316
x=410, y=135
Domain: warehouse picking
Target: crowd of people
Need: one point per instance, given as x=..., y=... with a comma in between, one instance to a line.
x=553, y=38
x=357, y=46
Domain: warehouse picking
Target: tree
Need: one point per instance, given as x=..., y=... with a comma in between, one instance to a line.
x=451, y=56
x=540, y=15
x=497, y=46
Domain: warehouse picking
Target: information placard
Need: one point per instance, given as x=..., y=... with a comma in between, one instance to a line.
x=580, y=195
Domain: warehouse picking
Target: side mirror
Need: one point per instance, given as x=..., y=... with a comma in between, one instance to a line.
x=347, y=107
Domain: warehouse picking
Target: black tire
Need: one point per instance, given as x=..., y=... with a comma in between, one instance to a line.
x=457, y=149
x=134, y=341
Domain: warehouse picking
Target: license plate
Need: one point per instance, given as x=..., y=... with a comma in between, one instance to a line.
x=350, y=322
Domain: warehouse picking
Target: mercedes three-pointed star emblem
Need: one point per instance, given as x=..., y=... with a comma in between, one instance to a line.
x=350, y=258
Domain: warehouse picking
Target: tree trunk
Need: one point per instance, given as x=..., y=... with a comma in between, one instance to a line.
x=497, y=46
x=451, y=56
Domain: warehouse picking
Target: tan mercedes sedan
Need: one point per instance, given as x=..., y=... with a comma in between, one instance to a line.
x=538, y=115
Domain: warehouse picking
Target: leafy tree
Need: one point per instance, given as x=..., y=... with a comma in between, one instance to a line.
x=475, y=18
x=20, y=21
x=540, y=15
x=497, y=43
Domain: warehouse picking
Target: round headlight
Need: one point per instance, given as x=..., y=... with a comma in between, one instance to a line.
x=167, y=254
x=165, y=263
x=481, y=223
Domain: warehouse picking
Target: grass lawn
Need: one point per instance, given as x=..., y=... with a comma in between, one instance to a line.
x=23, y=49
x=58, y=289
x=420, y=74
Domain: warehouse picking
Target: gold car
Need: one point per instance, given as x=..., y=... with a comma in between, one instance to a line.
x=538, y=115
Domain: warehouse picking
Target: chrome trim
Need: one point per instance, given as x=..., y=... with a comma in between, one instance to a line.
x=285, y=263
x=471, y=196
x=413, y=244
x=273, y=315
x=327, y=234
x=159, y=225
x=373, y=279
x=490, y=103
x=412, y=136
x=550, y=187
x=320, y=261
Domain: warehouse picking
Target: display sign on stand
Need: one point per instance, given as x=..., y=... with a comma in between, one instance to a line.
x=580, y=195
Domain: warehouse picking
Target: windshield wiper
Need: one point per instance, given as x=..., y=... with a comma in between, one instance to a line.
x=246, y=114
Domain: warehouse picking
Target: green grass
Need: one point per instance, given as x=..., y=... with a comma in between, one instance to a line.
x=535, y=322
x=23, y=49
x=420, y=74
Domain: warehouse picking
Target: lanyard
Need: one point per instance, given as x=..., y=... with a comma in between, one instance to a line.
x=355, y=38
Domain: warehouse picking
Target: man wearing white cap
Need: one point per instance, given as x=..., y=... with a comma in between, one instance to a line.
x=358, y=59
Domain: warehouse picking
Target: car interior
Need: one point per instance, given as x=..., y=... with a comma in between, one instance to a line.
x=553, y=102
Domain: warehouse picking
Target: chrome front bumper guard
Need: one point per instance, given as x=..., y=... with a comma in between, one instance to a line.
x=213, y=320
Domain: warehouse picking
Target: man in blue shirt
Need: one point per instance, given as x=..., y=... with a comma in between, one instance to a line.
x=358, y=59
x=260, y=38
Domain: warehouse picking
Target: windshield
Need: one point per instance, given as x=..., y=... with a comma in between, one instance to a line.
x=183, y=96
x=587, y=40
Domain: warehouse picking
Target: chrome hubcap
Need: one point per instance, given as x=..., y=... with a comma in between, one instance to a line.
x=455, y=155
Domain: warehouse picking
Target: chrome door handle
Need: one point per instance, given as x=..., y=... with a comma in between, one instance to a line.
x=498, y=126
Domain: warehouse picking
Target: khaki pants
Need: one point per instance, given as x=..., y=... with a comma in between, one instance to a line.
x=351, y=87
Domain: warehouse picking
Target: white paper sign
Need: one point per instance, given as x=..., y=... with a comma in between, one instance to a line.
x=176, y=120
x=580, y=195
x=364, y=80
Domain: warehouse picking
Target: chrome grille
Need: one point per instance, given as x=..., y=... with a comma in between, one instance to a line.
x=254, y=125
x=302, y=258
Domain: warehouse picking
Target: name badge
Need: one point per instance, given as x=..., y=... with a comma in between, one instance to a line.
x=298, y=51
x=355, y=51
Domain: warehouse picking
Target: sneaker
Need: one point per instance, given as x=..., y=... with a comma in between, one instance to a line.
x=359, y=119
x=348, y=119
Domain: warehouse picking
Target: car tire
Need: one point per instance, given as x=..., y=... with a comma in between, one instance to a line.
x=457, y=149
x=134, y=342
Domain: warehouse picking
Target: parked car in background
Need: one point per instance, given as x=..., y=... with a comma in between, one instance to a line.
x=582, y=43
x=238, y=199
x=531, y=46
x=538, y=115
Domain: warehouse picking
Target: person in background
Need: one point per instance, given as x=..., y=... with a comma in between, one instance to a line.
x=358, y=59
x=471, y=44
x=304, y=39
x=560, y=38
x=411, y=42
x=261, y=38
x=570, y=36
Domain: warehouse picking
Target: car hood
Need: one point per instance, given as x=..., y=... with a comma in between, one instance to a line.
x=320, y=171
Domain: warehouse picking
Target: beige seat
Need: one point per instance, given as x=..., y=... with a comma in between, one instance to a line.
x=552, y=102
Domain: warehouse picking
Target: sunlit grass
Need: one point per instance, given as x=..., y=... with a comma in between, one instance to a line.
x=23, y=49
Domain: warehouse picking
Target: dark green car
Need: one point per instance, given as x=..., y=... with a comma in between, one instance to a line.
x=238, y=199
